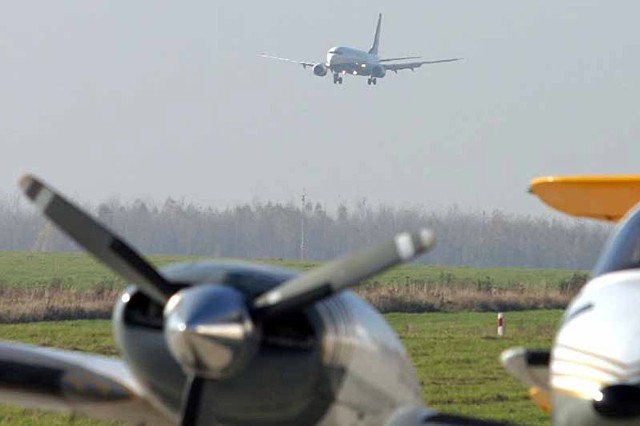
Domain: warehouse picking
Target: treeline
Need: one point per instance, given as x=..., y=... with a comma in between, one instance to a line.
x=273, y=230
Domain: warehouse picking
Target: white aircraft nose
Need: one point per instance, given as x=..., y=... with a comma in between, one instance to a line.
x=596, y=354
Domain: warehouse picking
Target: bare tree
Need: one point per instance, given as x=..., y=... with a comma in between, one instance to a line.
x=272, y=230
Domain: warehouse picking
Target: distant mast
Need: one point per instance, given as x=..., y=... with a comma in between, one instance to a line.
x=304, y=197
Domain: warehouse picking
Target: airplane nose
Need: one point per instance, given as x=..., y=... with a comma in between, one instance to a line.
x=618, y=401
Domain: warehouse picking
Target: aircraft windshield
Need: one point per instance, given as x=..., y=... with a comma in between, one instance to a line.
x=622, y=251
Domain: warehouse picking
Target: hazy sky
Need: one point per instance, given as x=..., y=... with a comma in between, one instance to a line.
x=154, y=99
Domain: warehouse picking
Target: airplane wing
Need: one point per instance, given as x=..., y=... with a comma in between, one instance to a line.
x=413, y=65
x=73, y=382
x=603, y=197
x=530, y=367
x=398, y=59
x=304, y=64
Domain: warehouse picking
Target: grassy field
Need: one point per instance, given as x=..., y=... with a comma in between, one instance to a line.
x=80, y=271
x=456, y=355
x=63, y=286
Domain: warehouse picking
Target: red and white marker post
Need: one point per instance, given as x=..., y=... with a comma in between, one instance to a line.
x=500, y=325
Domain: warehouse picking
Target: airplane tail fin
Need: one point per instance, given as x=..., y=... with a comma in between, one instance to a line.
x=376, y=38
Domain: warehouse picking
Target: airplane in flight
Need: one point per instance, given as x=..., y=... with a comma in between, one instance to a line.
x=343, y=60
x=229, y=343
x=591, y=376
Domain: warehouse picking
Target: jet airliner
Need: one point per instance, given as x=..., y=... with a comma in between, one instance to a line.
x=346, y=60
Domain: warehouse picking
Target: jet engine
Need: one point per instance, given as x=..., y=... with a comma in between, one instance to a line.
x=377, y=72
x=320, y=70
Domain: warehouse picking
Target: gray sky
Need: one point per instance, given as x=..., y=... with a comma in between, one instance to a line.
x=155, y=99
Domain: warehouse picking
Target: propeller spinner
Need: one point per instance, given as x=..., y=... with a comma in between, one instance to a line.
x=209, y=330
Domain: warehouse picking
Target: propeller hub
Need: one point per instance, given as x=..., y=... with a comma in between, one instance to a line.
x=209, y=330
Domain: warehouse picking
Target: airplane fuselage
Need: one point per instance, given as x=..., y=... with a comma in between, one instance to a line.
x=596, y=355
x=595, y=361
x=348, y=60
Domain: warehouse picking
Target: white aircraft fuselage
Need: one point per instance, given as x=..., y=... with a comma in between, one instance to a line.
x=595, y=361
x=592, y=374
x=342, y=59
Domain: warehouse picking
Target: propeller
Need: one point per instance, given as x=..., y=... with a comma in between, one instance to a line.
x=97, y=240
x=335, y=276
x=211, y=330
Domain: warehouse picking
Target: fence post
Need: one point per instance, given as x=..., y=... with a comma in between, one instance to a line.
x=500, y=325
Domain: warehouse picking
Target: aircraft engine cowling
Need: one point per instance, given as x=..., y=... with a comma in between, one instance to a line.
x=378, y=71
x=320, y=70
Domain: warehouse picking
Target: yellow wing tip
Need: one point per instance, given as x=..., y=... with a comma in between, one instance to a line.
x=604, y=197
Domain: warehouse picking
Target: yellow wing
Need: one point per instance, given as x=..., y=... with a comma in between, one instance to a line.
x=604, y=197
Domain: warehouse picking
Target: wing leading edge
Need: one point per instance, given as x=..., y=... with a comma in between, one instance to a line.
x=304, y=64
x=403, y=58
x=74, y=382
x=413, y=65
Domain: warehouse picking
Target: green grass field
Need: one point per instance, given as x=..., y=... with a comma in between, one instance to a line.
x=80, y=271
x=456, y=356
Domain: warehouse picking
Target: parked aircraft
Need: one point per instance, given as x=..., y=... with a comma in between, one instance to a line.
x=343, y=60
x=212, y=343
x=591, y=376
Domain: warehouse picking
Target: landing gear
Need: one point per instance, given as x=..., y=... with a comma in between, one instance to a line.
x=372, y=80
x=337, y=79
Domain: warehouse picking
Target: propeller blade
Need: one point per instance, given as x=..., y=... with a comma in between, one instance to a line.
x=97, y=240
x=191, y=402
x=342, y=273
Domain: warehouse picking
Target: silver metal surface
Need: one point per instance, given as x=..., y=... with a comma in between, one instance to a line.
x=209, y=330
